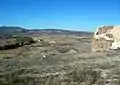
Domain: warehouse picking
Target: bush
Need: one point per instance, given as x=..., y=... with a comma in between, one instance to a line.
x=63, y=49
x=24, y=40
x=17, y=42
x=45, y=44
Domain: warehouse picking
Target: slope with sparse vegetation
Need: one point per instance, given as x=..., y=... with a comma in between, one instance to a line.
x=68, y=61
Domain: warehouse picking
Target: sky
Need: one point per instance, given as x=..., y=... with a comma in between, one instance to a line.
x=83, y=15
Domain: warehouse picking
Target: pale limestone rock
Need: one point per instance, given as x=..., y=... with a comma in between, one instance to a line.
x=106, y=38
x=52, y=42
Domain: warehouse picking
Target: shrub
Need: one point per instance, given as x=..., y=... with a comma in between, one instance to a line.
x=17, y=42
x=63, y=49
x=24, y=40
x=44, y=44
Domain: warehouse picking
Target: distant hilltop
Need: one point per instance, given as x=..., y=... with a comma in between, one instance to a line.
x=13, y=30
x=8, y=31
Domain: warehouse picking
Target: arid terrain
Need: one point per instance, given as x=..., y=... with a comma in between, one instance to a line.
x=59, y=59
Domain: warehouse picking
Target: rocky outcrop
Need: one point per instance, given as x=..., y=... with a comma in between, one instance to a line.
x=106, y=38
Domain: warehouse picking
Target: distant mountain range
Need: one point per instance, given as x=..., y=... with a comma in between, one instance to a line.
x=9, y=31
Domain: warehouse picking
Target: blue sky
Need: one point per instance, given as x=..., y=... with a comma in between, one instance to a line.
x=83, y=15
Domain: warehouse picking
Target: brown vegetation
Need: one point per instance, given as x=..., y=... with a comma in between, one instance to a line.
x=43, y=64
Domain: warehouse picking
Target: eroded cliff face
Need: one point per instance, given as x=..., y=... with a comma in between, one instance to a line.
x=106, y=38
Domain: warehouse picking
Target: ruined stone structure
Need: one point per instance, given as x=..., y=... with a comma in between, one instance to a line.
x=106, y=38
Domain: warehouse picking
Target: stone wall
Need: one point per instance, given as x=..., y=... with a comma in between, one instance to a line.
x=106, y=38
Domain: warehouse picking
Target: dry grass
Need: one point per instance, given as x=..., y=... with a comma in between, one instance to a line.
x=28, y=66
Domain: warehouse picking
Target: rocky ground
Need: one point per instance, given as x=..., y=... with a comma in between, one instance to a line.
x=66, y=61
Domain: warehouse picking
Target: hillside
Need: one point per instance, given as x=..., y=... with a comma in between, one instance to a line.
x=60, y=32
x=60, y=57
x=7, y=34
x=9, y=31
x=68, y=60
